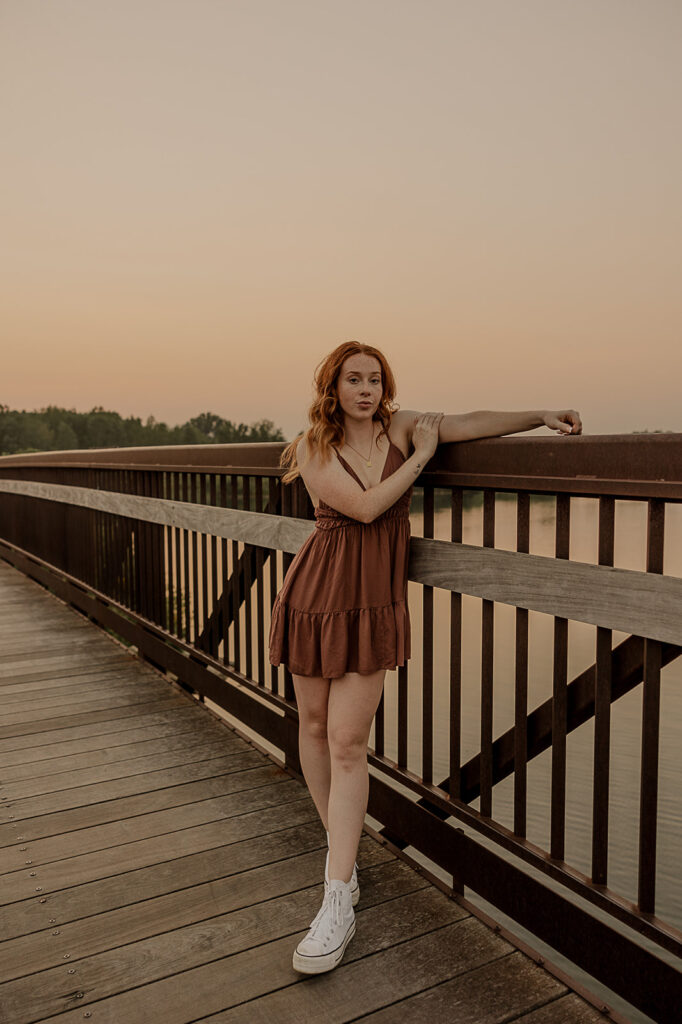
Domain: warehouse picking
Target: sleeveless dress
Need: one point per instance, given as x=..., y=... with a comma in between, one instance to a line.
x=343, y=604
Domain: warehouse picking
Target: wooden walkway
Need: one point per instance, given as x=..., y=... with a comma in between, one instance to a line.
x=155, y=867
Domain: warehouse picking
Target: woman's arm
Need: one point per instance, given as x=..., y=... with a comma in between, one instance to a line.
x=495, y=424
x=340, y=491
x=484, y=423
x=380, y=497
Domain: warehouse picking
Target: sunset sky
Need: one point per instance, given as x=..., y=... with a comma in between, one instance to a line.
x=202, y=198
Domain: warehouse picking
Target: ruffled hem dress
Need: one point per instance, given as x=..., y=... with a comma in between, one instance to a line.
x=343, y=604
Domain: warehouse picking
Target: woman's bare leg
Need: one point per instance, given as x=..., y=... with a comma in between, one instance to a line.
x=353, y=700
x=312, y=696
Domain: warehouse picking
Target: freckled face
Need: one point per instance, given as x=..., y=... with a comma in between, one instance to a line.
x=359, y=381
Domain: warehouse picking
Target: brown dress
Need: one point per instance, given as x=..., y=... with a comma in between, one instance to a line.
x=343, y=604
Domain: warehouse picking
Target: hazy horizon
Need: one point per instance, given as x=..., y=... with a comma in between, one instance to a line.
x=202, y=199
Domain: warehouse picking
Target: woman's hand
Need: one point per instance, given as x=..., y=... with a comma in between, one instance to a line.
x=565, y=422
x=425, y=434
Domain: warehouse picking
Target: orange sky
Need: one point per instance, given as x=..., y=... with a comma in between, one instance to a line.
x=201, y=198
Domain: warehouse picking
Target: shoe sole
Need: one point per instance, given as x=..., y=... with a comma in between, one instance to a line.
x=319, y=964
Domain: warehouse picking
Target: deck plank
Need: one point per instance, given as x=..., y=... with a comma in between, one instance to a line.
x=99, y=730
x=244, y=790
x=491, y=994
x=121, y=751
x=570, y=1009
x=202, y=892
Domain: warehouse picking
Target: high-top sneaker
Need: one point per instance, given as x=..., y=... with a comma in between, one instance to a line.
x=330, y=932
x=354, y=887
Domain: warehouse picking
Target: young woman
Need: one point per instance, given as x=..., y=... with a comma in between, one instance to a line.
x=341, y=618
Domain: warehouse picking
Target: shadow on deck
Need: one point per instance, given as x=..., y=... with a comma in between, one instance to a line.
x=156, y=867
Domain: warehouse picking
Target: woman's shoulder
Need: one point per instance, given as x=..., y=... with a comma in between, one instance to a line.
x=402, y=427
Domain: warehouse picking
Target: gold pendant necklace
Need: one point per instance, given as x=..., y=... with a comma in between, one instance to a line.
x=368, y=459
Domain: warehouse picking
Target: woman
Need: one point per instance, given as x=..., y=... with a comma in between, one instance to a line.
x=341, y=618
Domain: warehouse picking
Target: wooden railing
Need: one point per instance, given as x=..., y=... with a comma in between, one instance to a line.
x=176, y=550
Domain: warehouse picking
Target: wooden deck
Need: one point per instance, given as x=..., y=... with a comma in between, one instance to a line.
x=155, y=867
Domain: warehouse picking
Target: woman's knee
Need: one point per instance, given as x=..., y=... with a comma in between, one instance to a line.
x=347, y=747
x=313, y=726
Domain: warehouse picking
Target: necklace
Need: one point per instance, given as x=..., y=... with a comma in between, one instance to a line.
x=367, y=458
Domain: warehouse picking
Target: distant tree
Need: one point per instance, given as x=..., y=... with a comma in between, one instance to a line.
x=65, y=437
x=56, y=429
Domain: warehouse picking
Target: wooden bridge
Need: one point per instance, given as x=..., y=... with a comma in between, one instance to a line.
x=160, y=854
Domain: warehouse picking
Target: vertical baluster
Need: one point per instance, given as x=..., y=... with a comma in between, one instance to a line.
x=380, y=726
x=117, y=531
x=602, y=711
x=272, y=496
x=236, y=607
x=106, y=521
x=96, y=543
x=138, y=544
x=246, y=561
x=287, y=559
x=89, y=538
x=149, y=554
x=169, y=561
x=427, y=649
x=130, y=555
x=162, y=531
x=487, y=656
x=149, y=588
x=175, y=578
x=177, y=495
x=121, y=530
x=194, y=490
x=455, y=738
x=225, y=596
x=560, y=680
x=521, y=678
x=186, y=496
x=113, y=540
x=159, y=550
x=104, y=526
x=403, y=712
x=99, y=534
x=79, y=524
x=167, y=554
x=96, y=547
x=215, y=636
x=260, y=590
x=152, y=561
x=651, y=702
x=203, y=563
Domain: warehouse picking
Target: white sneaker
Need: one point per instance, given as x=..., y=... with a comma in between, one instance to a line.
x=330, y=932
x=354, y=887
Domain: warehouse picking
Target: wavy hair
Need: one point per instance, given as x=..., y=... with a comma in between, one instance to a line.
x=326, y=415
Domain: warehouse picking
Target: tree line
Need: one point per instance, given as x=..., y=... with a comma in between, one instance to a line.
x=56, y=429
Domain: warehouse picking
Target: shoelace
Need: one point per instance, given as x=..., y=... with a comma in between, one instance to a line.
x=332, y=900
x=336, y=909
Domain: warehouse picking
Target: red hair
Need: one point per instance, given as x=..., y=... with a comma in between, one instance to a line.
x=326, y=415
